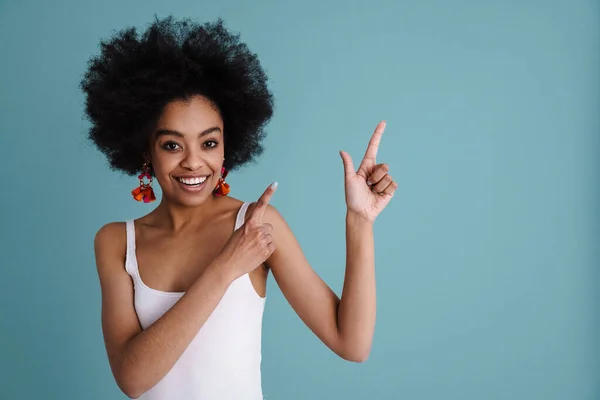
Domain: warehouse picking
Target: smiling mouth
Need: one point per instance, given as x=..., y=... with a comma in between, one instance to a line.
x=192, y=182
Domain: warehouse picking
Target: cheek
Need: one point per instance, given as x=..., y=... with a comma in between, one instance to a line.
x=216, y=163
x=214, y=157
x=164, y=165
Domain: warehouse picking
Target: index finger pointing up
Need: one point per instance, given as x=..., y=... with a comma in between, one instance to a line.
x=371, y=153
x=262, y=202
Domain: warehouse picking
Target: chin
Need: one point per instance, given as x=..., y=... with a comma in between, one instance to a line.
x=188, y=201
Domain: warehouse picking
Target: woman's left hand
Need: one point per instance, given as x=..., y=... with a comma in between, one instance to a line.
x=370, y=188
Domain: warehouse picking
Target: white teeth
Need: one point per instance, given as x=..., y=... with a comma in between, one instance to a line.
x=192, y=181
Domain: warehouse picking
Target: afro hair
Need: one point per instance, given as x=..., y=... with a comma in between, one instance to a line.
x=128, y=85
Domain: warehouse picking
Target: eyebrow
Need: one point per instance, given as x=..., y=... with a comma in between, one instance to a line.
x=162, y=132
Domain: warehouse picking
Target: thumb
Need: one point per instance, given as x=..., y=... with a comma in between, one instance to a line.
x=348, y=165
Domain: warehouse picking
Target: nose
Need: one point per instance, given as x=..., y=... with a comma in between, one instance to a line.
x=192, y=160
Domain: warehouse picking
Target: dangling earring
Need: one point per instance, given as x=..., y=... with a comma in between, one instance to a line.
x=222, y=188
x=144, y=192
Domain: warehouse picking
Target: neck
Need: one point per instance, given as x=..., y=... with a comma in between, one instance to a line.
x=177, y=217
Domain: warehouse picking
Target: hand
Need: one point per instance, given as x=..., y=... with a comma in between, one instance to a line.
x=251, y=244
x=370, y=188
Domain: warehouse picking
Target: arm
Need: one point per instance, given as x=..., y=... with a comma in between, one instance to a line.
x=140, y=358
x=346, y=326
x=356, y=314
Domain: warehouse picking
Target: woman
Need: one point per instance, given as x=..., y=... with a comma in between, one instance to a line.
x=183, y=288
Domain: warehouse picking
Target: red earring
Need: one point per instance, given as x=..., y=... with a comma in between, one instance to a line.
x=222, y=188
x=144, y=192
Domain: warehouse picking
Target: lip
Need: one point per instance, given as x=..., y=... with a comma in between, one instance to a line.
x=190, y=176
x=190, y=189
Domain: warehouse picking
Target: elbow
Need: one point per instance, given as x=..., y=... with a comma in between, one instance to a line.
x=130, y=389
x=356, y=349
x=129, y=384
x=357, y=355
x=359, y=358
x=132, y=393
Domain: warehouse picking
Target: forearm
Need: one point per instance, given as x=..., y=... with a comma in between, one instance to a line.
x=148, y=357
x=356, y=311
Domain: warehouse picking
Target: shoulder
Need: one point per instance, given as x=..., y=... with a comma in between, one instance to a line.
x=228, y=207
x=110, y=231
x=111, y=237
x=110, y=248
x=271, y=215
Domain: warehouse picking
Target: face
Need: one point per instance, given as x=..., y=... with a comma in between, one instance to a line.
x=187, y=150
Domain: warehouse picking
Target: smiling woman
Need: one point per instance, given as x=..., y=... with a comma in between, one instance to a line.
x=184, y=287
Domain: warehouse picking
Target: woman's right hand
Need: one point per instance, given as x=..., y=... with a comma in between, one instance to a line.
x=251, y=244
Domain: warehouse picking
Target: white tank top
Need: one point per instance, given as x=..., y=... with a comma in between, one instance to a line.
x=223, y=360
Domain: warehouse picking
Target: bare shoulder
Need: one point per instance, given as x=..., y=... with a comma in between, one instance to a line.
x=231, y=203
x=111, y=233
x=228, y=206
x=110, y=242
x=271, y=215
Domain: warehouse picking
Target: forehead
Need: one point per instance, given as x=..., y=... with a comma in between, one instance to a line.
x=190, y=116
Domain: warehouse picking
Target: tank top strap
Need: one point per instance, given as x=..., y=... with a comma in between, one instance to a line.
x=241, y=216
x=130, y=264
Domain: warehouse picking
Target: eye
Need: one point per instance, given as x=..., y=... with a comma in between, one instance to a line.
x=170, y=146
x=211, y=143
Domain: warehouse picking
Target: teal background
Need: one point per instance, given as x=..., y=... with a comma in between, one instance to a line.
x=487, y=259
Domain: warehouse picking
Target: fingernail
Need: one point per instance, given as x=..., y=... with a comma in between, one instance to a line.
x=274, y=185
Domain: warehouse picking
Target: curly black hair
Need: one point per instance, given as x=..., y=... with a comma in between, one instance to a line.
x=135, y=76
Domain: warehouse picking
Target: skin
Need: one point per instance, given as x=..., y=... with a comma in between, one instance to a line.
x=192, y=234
